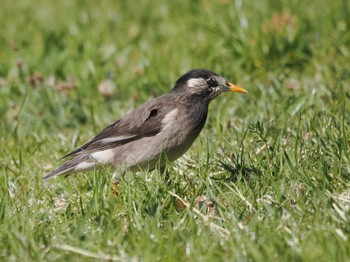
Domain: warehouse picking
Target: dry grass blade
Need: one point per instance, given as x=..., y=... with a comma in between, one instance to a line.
x=213, y=226
x=85, y=253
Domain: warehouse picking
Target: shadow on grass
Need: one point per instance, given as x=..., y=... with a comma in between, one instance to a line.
x=237, y=172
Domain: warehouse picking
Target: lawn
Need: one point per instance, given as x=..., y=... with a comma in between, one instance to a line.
x=267, y=180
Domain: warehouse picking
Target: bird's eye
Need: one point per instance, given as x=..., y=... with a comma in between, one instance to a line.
x=212, y=82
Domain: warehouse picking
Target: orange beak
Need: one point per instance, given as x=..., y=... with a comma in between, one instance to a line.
x=234, y=88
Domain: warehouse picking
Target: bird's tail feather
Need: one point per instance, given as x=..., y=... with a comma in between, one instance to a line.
x=76, y=164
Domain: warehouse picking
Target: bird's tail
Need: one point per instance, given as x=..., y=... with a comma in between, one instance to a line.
x=76, y=164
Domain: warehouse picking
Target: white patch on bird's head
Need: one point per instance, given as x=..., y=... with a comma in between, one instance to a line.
x=202, y=85
x=197, y=86
x=196, y=83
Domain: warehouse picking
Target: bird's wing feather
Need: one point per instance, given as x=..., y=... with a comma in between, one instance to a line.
x=141, y=122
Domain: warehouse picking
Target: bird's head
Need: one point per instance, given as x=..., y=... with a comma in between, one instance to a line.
x=204, y=83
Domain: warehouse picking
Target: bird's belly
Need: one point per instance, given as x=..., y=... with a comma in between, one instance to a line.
x=147, y=152
x=177, y=150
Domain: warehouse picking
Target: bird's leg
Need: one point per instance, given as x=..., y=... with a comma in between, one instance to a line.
x=164, y=170
x=115, y=183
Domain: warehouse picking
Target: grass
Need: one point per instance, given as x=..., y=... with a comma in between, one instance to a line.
x=267, y=180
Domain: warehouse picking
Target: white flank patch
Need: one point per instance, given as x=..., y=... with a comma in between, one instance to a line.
x=114, y=139
x=84, y=165
x=169, y=118
x=103, y=157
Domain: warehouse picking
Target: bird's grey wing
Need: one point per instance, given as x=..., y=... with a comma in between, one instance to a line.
x=142, y=122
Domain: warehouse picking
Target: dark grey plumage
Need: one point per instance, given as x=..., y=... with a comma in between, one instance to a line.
x=160, y=130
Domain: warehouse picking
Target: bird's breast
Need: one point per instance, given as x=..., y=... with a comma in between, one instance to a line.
x=180, y=131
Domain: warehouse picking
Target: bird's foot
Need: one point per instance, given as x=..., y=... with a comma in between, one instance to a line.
x=114, y=187
x=115, y=183
x=166, y=173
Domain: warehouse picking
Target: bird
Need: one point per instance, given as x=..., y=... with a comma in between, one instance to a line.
x=157, y=132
